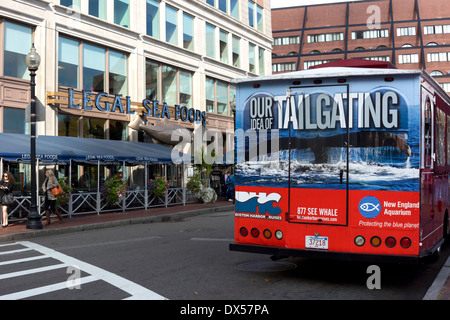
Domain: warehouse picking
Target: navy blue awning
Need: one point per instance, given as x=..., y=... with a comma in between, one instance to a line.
x=16, y=147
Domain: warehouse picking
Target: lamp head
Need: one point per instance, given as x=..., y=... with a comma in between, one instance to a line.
x=33, y=59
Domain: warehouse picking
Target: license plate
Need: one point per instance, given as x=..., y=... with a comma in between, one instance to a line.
x=313, y=242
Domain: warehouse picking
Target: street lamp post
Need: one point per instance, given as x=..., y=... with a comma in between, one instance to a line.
x=33, y=60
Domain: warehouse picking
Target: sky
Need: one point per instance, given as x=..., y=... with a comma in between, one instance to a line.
x=296, y=3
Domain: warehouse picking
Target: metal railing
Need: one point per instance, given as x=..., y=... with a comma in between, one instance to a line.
x=95, y=203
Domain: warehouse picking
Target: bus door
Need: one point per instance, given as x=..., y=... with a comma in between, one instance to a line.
x=318, y=155
x=427, y=165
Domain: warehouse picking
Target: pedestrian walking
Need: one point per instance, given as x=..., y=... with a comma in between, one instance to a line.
x=6, y=187
x=50, y=199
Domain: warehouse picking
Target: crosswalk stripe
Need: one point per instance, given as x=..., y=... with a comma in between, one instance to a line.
x=45, y=289
x=4, y=263
x=14, y=251
x=31, y=271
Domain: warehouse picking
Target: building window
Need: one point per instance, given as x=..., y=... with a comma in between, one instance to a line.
x=152, y=81
x=259, y=18
x=16, y=120
x=15, y=51
x=436, y=29
x=97, y=8
x=118, y=70
x=185, y=89
x=122, y=13
x=176, y=85
x=118, y=130
x=210, y=41
x=223, y=46
x=370, y=34
x=261, y=61
x=223, y=5
x=188, y=32
x=251, y=58
x=234, y=8
x=324, y=37
x=408, y=58
x=94, y=68
x=74, y=4
x=96, y=75
x=68, y=63
x=407, y=31
x=236, y=49
x=153, y=18
x=169, y=84
x=251, y=13
x=68, y=126
x=437, y=56
x=283, y=67
x=286, y=40
x=210, y=95
x=171, y=25
x=94, y=128
x=211, y=2
x=308, y=64
x=218, y=96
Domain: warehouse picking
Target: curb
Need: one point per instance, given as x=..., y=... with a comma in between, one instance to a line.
x=171, y=217
x=442, y=280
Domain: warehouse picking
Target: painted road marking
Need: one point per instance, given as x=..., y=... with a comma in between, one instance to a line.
x=136, y=292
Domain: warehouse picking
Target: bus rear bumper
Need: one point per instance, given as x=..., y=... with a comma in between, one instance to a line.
x=279, y=252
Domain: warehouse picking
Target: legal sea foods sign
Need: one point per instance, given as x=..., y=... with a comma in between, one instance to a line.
x=151, y=107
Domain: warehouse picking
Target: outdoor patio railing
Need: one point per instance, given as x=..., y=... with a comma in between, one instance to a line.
x=95, y=203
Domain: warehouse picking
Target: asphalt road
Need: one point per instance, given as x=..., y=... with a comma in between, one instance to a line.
x=190, y=260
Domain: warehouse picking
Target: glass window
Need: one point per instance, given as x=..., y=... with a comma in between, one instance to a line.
x=222, y=98
x=68, y=125
x=186, y=88
x=261, y=62
x=210, y=2
x=232, y=97
x=16, y=51
x=97, y=8
x=118, y=130
x=94, y=128
x=210, y=95
x=171, y=25
x=68, y=63
x=440, y=137
x=122, y=13
x=74, y=4
x=188, y=32
x=223, y=5
x=251, y=57
x=152, y=81
x=234, y=8
x=223, y=46
x=118, y=83
x=251, y=13
x=448, y=137
x=16, y=120
x=169, y=85
x=93, y=68
x=210, y=41
x=259, y=18
x=236, y=50
x=153, y=18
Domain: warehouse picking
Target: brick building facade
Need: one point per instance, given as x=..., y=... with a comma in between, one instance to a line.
x=411, y=34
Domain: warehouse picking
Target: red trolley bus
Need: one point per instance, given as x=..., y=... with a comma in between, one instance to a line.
x=342, y=162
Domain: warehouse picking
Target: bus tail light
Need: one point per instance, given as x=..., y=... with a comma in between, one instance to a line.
x=405, y=242
x=243, y=231
x=255, y=233
x=359, y=241
x=279, y=234
x=267, y=234
x=375, y=241
x=390, y=242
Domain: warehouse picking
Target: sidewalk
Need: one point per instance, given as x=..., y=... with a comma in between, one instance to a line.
x=440, y=290
x=18, y=231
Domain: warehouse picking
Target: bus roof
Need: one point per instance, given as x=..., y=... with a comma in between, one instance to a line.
x=329, y=72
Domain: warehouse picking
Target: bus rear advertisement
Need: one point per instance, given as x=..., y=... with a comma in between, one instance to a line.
x=342, y=162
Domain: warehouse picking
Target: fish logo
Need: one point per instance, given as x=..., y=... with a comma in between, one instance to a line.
x=369, y=207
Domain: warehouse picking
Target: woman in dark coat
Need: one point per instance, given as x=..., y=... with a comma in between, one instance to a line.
x=6, y=187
